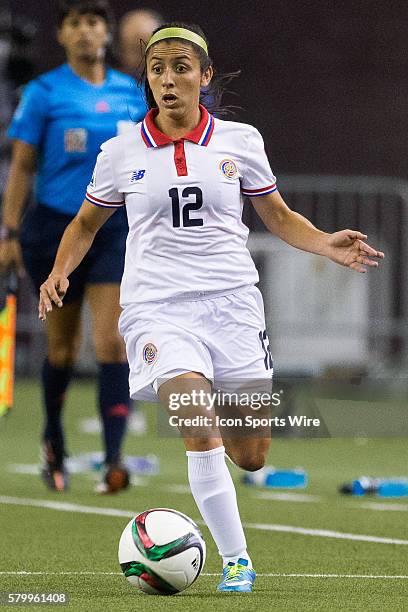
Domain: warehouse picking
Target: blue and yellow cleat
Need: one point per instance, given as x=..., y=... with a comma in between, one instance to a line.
x=237, y=577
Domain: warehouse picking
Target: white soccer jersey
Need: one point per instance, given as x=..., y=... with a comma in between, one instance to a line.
x=184, y=202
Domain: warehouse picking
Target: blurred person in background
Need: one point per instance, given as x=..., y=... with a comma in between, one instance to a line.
x=6, y=103
x=135, y=29
x=57, y=129
x=16, y=68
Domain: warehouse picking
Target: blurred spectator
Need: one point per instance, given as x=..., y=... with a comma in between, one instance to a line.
x=16, y=68
x=63, y=118
x=6, y=109
x=135, y=28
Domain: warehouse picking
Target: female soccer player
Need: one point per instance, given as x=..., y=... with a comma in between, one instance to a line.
x=63, y=118
x=191, y=311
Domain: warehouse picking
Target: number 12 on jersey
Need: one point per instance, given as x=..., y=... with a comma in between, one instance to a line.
x=180, y=211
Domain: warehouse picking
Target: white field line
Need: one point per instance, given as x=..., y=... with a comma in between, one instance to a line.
x=64, y=506
x=325, y=533
x=285, y=496
x=384, y=507
x=177, y=488
x=307, y=498
x=264, y=575
x=322, y=533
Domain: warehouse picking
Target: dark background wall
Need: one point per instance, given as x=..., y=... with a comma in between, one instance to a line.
x=325, y=82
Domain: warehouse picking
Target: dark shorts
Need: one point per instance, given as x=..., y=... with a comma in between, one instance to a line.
x=41, y=234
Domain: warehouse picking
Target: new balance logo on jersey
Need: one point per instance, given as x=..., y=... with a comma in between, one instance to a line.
x=137, y=175
x=93, y=179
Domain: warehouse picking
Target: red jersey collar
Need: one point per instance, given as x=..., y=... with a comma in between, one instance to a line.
x=201, y=134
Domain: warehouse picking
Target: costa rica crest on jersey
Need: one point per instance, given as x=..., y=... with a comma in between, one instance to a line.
x=149, y=353
x=228, y=168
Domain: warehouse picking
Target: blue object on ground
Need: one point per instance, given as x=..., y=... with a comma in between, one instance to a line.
x=270, y=476
x=382, y=487
x=148, y=465
x=393, y=487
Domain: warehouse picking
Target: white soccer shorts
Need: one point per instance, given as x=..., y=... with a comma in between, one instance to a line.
x=222, y=337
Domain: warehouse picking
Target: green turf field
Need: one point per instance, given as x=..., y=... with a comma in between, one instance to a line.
x=72, y=546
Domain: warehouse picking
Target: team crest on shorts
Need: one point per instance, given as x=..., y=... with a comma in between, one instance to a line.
x=149, y=353
x=228, y=168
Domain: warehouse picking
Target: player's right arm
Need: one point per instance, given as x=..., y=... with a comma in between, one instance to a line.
x=23, y=162
x=75, y=243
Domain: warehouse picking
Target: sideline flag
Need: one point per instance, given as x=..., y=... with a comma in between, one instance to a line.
x=8, y=307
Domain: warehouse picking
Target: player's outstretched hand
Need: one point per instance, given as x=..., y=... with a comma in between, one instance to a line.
x=52, y=292
x=348, y=248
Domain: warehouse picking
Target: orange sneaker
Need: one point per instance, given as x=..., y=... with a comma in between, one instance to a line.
x=115, y=478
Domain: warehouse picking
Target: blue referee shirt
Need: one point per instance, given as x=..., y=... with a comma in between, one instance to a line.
x=67, y=119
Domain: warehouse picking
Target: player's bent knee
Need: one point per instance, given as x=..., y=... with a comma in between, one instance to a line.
x=250, y=456
x=251, y=464
x=251, y=459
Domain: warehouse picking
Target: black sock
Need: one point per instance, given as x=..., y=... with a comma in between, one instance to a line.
x=55, y=382
x=114, y=405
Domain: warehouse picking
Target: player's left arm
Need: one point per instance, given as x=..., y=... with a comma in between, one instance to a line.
x=76, y=241
x=346, y=247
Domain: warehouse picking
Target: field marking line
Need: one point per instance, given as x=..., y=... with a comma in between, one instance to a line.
x=326, y=533
x=322, y=533
x=286, y=496
x=384, y=507
x=177, y=488
x=64, y=506
x=262, y=575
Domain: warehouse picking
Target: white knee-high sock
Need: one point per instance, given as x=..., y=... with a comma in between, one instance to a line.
x=214, y=493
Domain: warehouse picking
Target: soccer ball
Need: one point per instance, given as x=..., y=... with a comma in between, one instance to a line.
x=161, y=551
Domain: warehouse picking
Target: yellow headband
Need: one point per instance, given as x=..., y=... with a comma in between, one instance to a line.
x=178, y=33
